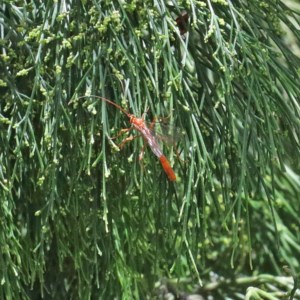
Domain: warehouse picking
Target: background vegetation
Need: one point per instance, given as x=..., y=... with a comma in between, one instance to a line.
x=81, y=219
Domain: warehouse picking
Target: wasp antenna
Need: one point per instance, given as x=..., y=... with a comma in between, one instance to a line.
x=105, y=100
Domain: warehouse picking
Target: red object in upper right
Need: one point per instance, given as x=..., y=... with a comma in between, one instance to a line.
x=182, y=22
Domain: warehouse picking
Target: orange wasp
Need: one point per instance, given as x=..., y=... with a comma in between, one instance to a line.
x=140, y=125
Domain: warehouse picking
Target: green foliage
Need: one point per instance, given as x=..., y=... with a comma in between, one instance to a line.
x=82, y=219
